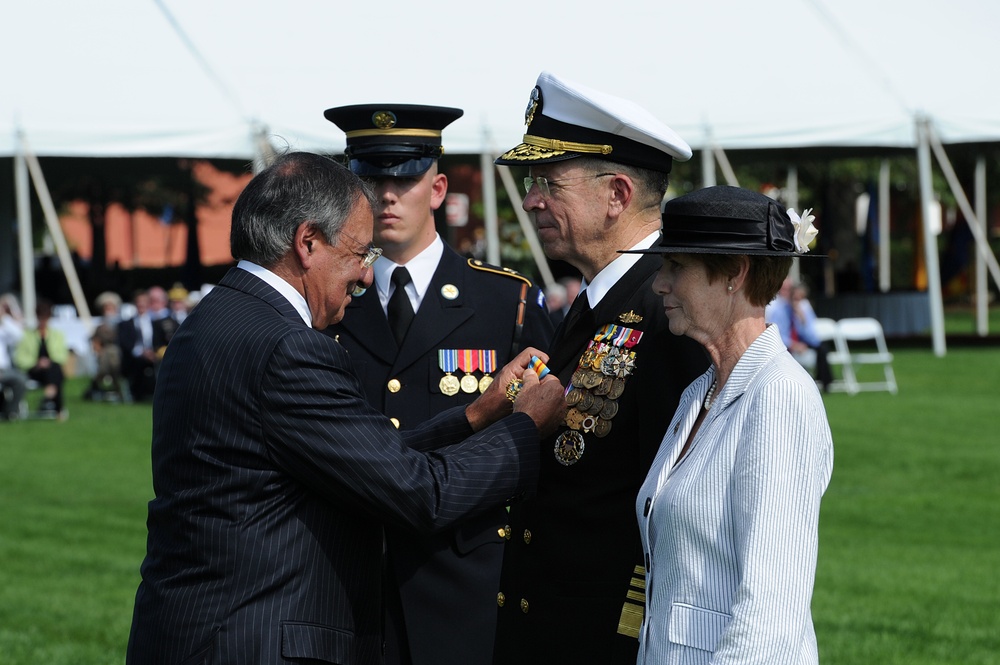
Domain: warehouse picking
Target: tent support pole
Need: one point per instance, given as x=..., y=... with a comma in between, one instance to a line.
x=792, y=201
x=22, y=187
x=52, y=221
x=963, y=204
x=930, y=241
x=982, y=295
x=884, y=272
x=490, y=219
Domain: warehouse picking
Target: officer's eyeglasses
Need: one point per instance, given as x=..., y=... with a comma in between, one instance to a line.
x=544, y=184
x=369, y=256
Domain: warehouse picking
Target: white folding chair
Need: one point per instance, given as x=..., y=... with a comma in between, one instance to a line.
x=865, y=329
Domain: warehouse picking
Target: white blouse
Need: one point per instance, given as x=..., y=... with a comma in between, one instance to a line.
x=730, y=533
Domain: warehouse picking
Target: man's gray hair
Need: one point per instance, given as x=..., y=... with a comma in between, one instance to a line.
x=298, y=187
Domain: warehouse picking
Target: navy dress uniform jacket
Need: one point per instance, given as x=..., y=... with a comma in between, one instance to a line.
x=575, y=555
x=273, y=478
x=447, y=580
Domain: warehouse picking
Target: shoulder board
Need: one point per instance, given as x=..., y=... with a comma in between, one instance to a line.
x=476, y=264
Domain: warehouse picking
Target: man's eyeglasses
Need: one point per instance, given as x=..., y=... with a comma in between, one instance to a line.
x=544, y=183
x=369, y=256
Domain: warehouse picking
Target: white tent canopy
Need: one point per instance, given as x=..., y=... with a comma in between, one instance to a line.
x=200, y=77
x=211, y=78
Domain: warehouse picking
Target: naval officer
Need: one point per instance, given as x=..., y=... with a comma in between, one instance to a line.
x=427, y=336
x=573, y=574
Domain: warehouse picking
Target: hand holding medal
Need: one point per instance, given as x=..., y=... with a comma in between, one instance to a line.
x=526, y=379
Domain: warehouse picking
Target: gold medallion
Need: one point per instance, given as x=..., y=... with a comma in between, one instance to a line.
x=605, y=386
x=449, y=384
x=596, y=407
x=617, y=388
x=569, y=448
x=592, y=379
x=586, y=402
x=574, y=418
x=485, y=382
x=469, y=384
x=573, y=397
x=602, y=428
x=609, y=410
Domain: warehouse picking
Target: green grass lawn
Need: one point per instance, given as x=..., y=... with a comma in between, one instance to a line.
x=909, y=566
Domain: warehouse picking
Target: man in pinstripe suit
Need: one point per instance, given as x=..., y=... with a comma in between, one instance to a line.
x=272, y=475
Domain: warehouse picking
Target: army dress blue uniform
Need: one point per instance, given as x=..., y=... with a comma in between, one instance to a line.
x=447, y=579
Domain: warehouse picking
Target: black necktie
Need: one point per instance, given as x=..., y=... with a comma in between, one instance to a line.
x=400, y=310
x=579, y=309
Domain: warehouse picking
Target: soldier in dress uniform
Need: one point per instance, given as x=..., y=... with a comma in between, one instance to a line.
x=428, y=336
x=573, y=574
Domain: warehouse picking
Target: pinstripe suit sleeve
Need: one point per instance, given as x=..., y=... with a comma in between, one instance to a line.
x=321, y=431
x=776, y=540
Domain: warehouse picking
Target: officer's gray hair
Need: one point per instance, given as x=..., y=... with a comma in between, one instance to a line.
x=650, y=185
x=298, y=187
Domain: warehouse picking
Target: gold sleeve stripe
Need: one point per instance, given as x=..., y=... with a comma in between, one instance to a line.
x=635, y=605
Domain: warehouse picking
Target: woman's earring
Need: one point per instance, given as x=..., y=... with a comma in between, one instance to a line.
x=729, y=288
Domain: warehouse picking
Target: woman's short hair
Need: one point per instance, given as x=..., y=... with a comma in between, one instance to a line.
x=764, y=276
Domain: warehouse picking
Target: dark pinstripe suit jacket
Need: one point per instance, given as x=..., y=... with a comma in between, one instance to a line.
x=273, y=478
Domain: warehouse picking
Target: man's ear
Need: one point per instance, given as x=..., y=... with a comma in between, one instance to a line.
x=439, y=190
x=622, y=191
x=306, y=241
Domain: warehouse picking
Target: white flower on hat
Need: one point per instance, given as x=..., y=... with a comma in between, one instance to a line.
x=805, y=232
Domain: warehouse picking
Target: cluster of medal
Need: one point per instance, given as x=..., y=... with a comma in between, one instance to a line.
x=468, y=361
x=596, y=385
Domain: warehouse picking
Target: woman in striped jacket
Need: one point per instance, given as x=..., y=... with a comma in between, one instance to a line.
x=729, y=511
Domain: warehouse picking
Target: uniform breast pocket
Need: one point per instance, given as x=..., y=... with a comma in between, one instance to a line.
x=696, y=627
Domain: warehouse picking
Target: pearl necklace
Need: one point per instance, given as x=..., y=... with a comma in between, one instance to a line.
x=710, y=395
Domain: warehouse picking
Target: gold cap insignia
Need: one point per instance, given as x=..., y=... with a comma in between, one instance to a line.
x=630, y=317
x=534, y=102
x=384, y=119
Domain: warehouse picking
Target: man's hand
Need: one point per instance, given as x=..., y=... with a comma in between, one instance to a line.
x=493, y=404
x=543, y=401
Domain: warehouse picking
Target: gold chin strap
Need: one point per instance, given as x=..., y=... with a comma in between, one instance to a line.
x=567, y=146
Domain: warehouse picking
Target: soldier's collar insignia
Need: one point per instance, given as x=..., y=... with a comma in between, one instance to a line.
x=449, y=291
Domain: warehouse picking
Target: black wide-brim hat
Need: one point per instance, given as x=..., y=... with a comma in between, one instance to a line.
x=729, y=220
x=392, y=140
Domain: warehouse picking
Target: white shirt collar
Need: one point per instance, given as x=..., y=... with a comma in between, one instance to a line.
x=296, y=299
x=614, y=271
x=421, y=268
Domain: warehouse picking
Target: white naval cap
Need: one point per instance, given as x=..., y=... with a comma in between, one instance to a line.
x=566, y=120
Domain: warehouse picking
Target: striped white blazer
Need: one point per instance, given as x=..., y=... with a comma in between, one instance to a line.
x=730, y=532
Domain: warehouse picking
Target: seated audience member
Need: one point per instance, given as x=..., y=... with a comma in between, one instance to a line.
x=136, y=339
x=42, y=353
x=107, y=382
x=792, y=312
x=12, y=382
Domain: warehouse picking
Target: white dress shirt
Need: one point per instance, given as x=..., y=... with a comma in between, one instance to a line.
x=421, y=268
x=297, y=300
x=614, y=271
x=730, y=532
